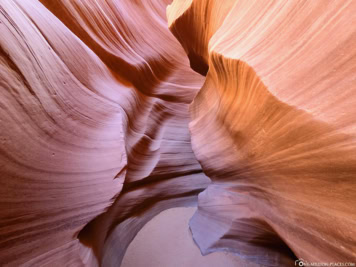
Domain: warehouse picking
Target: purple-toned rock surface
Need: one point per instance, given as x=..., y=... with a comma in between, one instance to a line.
x=113, y=111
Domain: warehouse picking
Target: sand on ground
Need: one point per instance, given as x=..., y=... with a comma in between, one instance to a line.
x=166, y=241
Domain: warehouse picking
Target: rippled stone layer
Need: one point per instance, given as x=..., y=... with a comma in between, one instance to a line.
x=94, y=114
x=106, y=119
x=279, y=98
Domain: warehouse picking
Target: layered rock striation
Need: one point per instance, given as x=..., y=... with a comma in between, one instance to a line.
x=279, y=98
x=112, y=111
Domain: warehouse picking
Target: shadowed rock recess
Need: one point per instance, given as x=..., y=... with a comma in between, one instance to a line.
x=113, y=111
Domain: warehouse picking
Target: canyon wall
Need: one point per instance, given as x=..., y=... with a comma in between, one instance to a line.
x=113, y=111
x=279, y=96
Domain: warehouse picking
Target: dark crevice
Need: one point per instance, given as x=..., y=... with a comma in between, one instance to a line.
x=197, y=63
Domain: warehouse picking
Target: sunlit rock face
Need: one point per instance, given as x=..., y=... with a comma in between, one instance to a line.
x=274, y=127
x=112, y=111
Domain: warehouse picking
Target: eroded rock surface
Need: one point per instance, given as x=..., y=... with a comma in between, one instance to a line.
x=279, y=97
x=94, y=114
x=112, y=111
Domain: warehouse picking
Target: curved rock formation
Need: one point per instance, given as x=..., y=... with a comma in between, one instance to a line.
x=94, y=115
x=279, y=97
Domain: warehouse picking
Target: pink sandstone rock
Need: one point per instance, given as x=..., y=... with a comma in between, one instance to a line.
x=279, y=98
x=113, y=111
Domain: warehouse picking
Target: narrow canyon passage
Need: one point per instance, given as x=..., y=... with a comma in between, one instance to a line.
x=166, y=241
x=124, y=122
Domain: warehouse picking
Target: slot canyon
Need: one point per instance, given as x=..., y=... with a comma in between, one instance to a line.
x=235, y=120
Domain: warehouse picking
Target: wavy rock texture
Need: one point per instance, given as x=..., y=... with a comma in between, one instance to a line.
x=280, y=97
x=94, y=114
